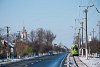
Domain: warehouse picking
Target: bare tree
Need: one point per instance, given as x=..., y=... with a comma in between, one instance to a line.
x=40, y=36
x=94, y=46
x=49, y=37
x=32, y=36
x=42, y=40
x=1, y=31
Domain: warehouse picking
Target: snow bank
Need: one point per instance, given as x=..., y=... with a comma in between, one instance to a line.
x=91, y=62
x=7, y=61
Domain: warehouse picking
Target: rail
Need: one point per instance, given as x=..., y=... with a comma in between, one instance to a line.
x=78, y=62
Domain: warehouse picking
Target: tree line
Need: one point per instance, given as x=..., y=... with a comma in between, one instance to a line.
x=94, y=46
x=38, y=41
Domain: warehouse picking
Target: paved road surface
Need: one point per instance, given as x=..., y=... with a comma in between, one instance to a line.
x=47, y=61
x=53, y=61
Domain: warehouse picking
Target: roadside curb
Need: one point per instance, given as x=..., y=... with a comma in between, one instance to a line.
x=64, y=60
x=68, y=59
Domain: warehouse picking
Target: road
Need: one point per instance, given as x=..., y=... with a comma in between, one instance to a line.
x=46, y=61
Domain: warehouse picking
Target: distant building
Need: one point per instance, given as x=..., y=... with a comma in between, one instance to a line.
x=24, y=34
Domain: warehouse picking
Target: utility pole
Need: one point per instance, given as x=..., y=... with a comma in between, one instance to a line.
x=79, y=43
x=79, y=39
x=7, y=33
x=82, y=37
x=8, y=54
x=99, y=29
x=93, y=33
x=86, y=10
x=82, y=31
x=86, y=33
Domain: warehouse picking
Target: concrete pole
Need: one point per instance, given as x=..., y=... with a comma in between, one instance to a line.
x=86, y=34
x=82, y=38
x=79, y=39
x=79, y=42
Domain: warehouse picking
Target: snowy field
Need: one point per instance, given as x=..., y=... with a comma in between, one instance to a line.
x=91, y=62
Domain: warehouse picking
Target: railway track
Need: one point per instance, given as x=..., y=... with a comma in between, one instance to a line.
x=78, y=62
x=74, y=61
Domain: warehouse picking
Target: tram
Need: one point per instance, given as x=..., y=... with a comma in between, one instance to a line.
x=75, y=50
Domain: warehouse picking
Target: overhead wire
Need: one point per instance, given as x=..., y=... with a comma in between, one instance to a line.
x=90, y=1
x=80, y=9
x=95, y=6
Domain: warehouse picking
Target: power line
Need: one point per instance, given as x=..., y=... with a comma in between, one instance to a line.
x=95, y=6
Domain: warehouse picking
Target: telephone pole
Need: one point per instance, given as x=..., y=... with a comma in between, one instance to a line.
x=99, y=29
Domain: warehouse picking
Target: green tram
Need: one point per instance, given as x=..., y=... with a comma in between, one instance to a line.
x=75, y=50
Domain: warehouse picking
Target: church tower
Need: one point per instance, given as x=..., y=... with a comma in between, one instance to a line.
x=24, y=34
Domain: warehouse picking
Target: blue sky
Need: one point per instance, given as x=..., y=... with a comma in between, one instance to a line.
x=55, y=15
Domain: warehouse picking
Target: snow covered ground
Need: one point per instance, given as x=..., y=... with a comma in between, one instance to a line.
x=91, y=61
x=7, y=61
